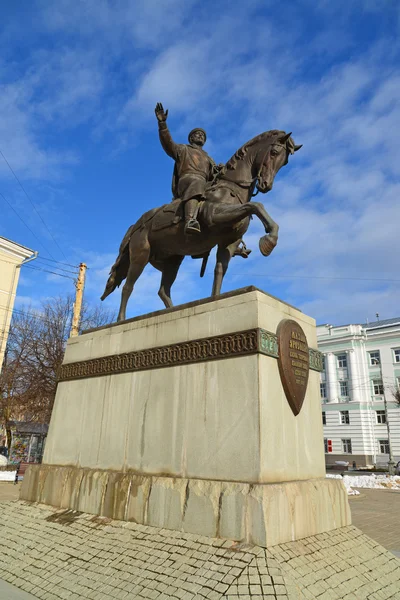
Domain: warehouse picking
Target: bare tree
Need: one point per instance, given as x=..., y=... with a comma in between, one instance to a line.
x=35, y=350
x=13, y=375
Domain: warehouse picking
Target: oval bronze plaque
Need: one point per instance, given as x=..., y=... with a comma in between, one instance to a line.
x=293, y=362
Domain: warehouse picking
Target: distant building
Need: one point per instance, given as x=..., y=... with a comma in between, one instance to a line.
x=12, y=255
x=27, y=441
x=361, y=370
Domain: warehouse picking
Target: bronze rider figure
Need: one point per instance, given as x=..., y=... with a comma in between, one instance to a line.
x=194, y=168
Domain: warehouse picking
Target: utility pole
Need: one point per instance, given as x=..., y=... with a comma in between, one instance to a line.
x=80, y=285
x=391, y=464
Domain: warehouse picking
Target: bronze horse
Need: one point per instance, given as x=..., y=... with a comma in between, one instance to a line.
x=158, y=236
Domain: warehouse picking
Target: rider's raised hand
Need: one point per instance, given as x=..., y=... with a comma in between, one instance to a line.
x=160, y=113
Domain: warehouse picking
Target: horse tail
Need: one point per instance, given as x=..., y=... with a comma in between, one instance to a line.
x=119, y=270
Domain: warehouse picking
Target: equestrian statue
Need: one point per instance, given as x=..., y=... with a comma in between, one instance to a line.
x=211, y=206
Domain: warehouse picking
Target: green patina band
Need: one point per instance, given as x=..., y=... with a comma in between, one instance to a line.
x=315, y=360
x=268, y=343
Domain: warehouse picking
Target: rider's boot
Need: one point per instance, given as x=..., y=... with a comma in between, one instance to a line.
x=242, y=250
x=191, y=223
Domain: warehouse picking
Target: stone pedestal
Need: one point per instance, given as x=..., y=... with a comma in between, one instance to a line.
x=179, y=419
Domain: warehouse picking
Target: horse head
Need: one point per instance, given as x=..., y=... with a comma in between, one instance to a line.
x=261, y=158
x=270, y=160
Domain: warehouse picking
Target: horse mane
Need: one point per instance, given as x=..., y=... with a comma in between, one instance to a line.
x=241, y=153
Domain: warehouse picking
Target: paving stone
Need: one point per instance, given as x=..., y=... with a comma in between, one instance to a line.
x=102, y=560
x=268, y=590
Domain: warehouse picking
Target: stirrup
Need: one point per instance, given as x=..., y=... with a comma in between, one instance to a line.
x=242, y=250
x=192, y=226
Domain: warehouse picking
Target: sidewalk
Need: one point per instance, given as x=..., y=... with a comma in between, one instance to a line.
x=9, y=491
x=376, y=513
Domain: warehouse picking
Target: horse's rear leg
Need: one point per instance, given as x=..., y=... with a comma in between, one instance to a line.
x=224, y=255
x=169, y=273
x=139, y=254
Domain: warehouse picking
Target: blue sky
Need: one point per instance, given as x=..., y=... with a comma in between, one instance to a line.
x=79, y=82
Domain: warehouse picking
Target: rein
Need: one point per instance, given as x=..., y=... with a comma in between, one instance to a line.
x=225, y=183
x=246, y=184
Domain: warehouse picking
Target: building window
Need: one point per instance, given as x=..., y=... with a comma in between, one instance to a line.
x=341, y=361
x=323, y=418
x=396, y=353
x=344, y=417
x=344, y=389
x=346, y=445
x=327, y=445
x=383, y=446
x=323, y=362
x=380, y=417
x=374, y=357
x=378, y=387
x=322, y=387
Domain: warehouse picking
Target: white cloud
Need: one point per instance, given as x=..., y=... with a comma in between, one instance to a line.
x=20, y=132
x=143, y=23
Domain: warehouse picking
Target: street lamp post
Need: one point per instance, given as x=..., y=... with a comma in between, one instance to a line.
x=391, y=464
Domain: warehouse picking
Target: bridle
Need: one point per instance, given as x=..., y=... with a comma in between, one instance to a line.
x=262, y=163
x=252, y=182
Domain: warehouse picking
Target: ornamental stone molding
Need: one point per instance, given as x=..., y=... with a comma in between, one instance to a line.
x=241, y=343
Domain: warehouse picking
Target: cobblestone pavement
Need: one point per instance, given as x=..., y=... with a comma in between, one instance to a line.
x=377, y=514
x=64, y=554
x=10, y=592
x=343, y=564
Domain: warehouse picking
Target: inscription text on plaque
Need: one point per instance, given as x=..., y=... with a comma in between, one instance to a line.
x=293, y=362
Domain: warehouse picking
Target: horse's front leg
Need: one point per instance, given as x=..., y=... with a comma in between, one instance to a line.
x=226, y=215
x=270, y=226
x=224, y=255
x=268, y=241
x=229, y=214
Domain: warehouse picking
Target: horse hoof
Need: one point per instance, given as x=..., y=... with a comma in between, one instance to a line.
x=267, y=244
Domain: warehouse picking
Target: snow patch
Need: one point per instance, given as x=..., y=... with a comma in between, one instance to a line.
x=376, y=482
x=7, y=475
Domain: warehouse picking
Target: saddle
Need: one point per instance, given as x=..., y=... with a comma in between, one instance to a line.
x=168, y=215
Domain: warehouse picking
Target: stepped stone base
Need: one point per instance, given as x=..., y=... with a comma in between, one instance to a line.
x=180, y=419
x=263, y=514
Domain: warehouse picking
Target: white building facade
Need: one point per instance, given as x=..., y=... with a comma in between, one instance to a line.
x=361, y=371
x=12, y=256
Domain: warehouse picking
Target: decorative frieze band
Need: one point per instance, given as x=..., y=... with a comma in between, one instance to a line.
x=240, y=343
